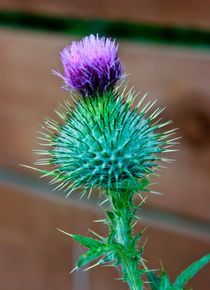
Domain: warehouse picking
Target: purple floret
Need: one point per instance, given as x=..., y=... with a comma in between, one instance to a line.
x=91, y=65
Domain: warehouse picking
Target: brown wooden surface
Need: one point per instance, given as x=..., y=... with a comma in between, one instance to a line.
x=191, y=13
x=179, y=78
x=34, y=255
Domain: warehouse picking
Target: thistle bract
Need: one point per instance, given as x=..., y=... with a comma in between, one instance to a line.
x=103, y=142
x=91, y=65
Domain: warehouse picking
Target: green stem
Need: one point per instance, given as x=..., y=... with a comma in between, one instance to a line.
x=122, y=226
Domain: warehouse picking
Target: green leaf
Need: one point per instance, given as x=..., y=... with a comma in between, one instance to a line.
x=87, y=242
x=165, y=282
x=111, y=258
x=154, y=280
x=90, y=256
x=191, y=271
x=110, y=215
x=136, y=239
x=144, y=183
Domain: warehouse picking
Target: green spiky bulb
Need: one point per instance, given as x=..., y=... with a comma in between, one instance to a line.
x=103, y=142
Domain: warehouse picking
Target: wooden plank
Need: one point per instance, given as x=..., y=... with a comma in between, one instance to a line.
x=33, y=251
x=171, y=13
x=39, y=257
x=179, y=78
x=30, y=246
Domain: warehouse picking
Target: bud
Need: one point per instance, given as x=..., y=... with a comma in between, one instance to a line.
x=103, y=142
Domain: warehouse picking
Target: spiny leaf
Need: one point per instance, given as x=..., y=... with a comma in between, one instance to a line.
x=165, y=282
x=110, y=215
x=91, y=255
x=87, y=242
x=144, y=183
x=154, y=280
x=84, y=241
x=111, y=258
x=136, y=239
x=191, y=271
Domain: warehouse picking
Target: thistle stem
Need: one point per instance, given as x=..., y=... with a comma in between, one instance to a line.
x=122, y=227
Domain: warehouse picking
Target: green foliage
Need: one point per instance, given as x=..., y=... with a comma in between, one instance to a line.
x=93, y=254
x=154, y=280
x=87, y=242
x=163, y=282
x=191, y=271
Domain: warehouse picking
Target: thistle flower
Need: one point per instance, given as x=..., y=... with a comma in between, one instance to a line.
x=91, y=65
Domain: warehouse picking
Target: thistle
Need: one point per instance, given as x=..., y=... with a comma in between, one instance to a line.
x=107, y=140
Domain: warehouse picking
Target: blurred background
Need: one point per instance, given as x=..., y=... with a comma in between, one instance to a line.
x=165, y=47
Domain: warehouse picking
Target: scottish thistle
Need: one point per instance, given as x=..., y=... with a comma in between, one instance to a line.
x=110, y=141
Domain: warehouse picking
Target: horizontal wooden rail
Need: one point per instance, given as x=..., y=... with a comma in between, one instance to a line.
x=39, y=257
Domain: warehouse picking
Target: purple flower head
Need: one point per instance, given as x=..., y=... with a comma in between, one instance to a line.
x=91, y=65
